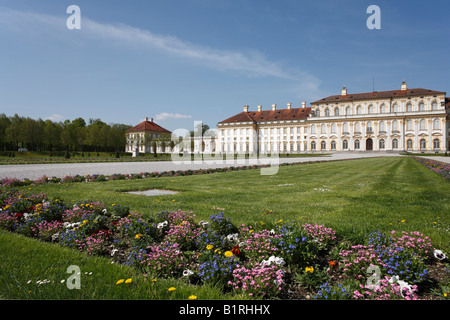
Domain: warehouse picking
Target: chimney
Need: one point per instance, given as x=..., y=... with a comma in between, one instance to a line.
x=146, y=119
x=303, y=104
x=404, y=85
x=151, y=119
x=245, y=108
x=274, y=107
x=259, y=108
x=344, y=91
x=289, y=105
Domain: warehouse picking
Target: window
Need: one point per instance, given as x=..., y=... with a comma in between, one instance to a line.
x=313, y=129
x=323, y=129
x=395, y=125
x=358, y=110
x=327, y=112
x=395, y=108
x=409, y=125
x=436, y=124
x=395, y=144
x=348, y=111
x=357, y=127
x=313, y=145
x=434, y=105
x=436, y=143
x=369, y=127
x=323, y=145
x=382, y=126
x=409, y=144
x=305, y=145
x=423, y=144
x=370, y=110
x=409, y=107
x=345, y=144
x=423, y=124
x=333, y=145
x=345, y=127
x=356, y=144
x=382, y=108
x=336, y=111
x=382, y=144
x=318, y=113
x=421, y=106
x=333, y=128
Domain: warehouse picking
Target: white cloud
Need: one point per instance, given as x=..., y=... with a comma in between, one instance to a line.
x=165, y=115
x=55, y=117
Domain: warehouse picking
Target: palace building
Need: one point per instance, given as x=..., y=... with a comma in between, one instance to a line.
x=414, y=120
x=139, y=137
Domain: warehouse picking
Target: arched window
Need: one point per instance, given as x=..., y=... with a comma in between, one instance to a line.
x=333, y=145
x=382, y=144
x=434, y=105
x=436, y=124
x=436, y=143
x=369, y=127
x=382, y=126
x=423, y=144
x=345, y=144
x=370, y=110
x=336, y=111
x=327, y=112
x=409, y=125
x=333, y=128
x=409, y=144
x=313, y=129
x=323, y=145
x=358, y=110
x=423, y=124
x=356, y=144
x=357, y=127
x=313, y=145
x=421, y=106
x=394, y=125
x=345, y=127
x=409, y=107
x=323, y=129
x=395, y=144
x=395, y=108
x=317, y=112
x=348, y=111
x=383, y=108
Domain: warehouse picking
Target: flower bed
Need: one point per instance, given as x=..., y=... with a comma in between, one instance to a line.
x=439, y=167
x=292, y=260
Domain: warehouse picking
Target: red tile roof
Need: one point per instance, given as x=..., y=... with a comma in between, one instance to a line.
x=269, y=115
x=378, y=95
x=148, y=126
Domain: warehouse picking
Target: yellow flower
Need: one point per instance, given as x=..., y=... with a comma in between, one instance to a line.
x=445, y=294
x=153, y=280
x=228, y=254
x=138, y=236
x=85, y=221
x=309, y=269
x=403, y=220
x=128, y=280
x=120, y=281
x=172, y=289
x=250, y=231
x=192, y=297
x=209, y=247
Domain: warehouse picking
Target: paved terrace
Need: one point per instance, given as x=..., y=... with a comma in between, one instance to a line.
x=35, y=171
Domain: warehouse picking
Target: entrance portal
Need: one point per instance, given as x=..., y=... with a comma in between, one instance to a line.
x=369, y=145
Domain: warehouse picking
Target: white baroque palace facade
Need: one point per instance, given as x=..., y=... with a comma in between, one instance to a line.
x=415, y=120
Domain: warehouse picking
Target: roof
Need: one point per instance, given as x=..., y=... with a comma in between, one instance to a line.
x=148, y=126
x=378, y=95
x=269, y=115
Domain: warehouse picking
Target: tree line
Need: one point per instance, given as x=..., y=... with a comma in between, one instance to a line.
x=46, y=135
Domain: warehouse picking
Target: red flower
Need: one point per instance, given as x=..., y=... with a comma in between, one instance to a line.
x=235, y=250
x=334, y=264
x=19, y=215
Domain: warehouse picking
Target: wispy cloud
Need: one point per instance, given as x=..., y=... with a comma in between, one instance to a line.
x=165, y=115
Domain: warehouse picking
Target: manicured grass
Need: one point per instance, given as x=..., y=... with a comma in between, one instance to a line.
x=32, y=269
x=353, y=197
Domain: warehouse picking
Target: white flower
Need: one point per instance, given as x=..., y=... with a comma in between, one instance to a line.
x=272, y=259
x=272, y=232
x=187, y=273
x=113, y=252
x=438, y=254
x=162, y=224
x=204, y=223
x=104, y=211
x=233, y=237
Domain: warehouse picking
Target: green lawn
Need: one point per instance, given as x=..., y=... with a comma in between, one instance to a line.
x=353, y=197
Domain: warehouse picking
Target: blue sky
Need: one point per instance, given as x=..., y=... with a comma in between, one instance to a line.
x=181, y=61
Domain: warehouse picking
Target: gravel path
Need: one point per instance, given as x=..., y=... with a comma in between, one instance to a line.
x=35, y=171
